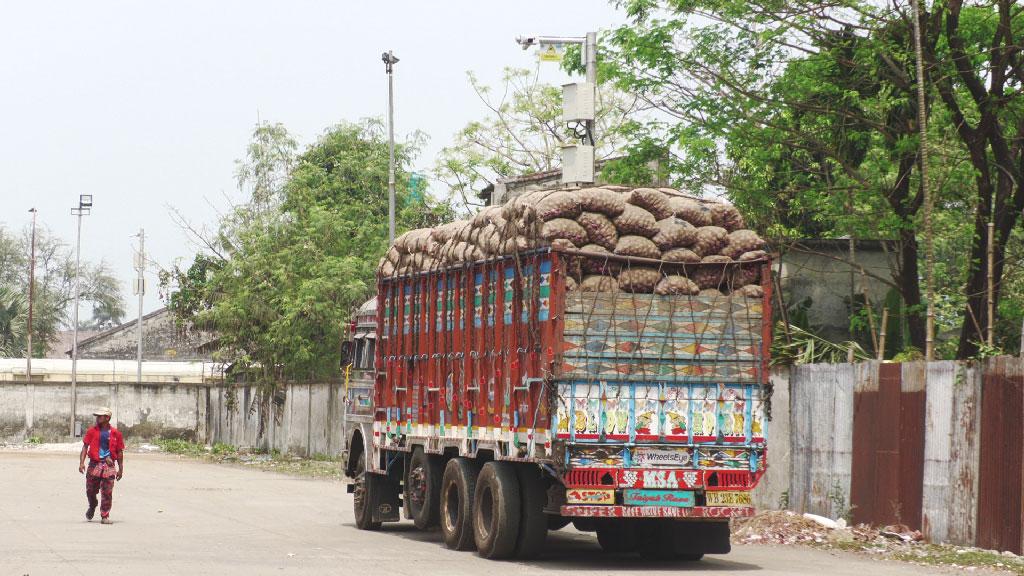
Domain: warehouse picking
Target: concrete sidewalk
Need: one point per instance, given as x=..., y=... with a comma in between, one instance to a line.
x=180, y=516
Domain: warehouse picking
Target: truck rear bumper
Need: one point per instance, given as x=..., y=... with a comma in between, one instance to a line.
x=658, y=511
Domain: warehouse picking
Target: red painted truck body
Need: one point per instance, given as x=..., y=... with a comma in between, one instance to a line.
x=632, y=405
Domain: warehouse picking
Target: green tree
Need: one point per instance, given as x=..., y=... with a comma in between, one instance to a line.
x=55, y=283
x=13, y=318
x=279, y=289
x=805, y=114
x=522, y=132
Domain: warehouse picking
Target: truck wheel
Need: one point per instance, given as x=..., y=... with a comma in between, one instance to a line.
x=533, y=524
x=496, y=511
x=656, y=539
x=367, y=486
x=458, y=486
x=423, y=489
x=617, y=536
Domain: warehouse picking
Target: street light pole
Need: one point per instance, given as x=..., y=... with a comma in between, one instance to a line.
x=31, y=295
x=84, y=206
x=140, y=287
x=389, y=64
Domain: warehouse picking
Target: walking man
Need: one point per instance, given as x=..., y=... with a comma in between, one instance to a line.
x=104, y=446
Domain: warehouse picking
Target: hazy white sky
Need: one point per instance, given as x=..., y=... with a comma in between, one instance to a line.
x=145, y=104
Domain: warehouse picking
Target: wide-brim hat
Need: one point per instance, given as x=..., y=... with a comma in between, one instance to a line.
x=102, y=411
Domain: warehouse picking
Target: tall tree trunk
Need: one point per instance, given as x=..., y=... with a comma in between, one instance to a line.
x=910, y=289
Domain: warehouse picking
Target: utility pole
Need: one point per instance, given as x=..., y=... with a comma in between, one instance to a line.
x=84, y=207
x=389, y=66
x=578, y=105
x=140, y=289
x=31, y=295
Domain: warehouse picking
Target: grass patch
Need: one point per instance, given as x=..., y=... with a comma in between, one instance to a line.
x=34, y=440
x=937, y=555
x=179, y=446
x=317, y=466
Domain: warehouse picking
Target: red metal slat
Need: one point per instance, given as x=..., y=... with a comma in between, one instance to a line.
x=1000, y=474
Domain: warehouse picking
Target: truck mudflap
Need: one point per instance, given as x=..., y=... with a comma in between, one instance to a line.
x=657, y=511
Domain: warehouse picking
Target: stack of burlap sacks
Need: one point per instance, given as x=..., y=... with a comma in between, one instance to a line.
x=657, y=224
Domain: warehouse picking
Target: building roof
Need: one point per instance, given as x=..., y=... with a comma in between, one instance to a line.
x=119, y=328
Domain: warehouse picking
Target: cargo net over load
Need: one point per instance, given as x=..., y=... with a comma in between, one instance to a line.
x=605, y=331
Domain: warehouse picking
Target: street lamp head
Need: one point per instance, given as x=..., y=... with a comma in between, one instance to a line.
x=33, y=210
x=85, y=200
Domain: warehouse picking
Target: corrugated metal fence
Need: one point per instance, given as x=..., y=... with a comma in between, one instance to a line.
x=937, y=446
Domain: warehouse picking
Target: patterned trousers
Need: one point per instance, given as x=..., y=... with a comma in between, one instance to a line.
x=102, y=481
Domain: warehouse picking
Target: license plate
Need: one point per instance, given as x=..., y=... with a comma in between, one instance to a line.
x=676, y=498
x=728, y=498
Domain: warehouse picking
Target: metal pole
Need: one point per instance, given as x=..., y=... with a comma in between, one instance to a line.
x=590, y=53
x=141, y=287
x=31, y=295
x=390, y=60
x=74, y=345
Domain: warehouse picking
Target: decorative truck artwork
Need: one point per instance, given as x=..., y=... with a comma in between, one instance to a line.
x=592, y=355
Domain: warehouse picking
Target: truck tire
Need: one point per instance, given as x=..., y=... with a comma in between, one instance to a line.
x=496, y=511
x=423, y=489
x=533, y=524
x=656, y=539
x=617, y=536
x=367, y=486
x=458, y=487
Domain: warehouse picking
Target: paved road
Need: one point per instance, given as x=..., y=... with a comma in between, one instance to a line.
x=179, y=516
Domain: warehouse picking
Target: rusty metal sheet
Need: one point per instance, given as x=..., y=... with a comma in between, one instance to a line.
x=1000, y=467
x=888, y=427
x=950, y=490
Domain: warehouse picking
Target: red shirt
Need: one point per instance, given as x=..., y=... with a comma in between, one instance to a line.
x=92, y=440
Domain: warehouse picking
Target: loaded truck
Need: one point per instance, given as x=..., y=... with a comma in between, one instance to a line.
x=499, y=398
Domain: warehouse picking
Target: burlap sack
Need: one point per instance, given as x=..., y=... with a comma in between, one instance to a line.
x=725, y=216
x=654, y=201
x=602, y=201
x=710, y=276
x=558, y=204
x=676, y=284
x=674, y=233
x=596, y=283
x=563, y=244
x=637, y=246
x=386, y=268
x=710, y=240
x=393, y=255
x=753, y=255
x=445, y=232
x=690, y=210
x=600, y=230
x=597, y=264
x=414, y=241
x=745, y=275
x=742, y=241
x=680, y=255
x=571, y=284
x=564, y=228
x=711, y=293
x=636, y=220
x=639, y=279
x=751, y=291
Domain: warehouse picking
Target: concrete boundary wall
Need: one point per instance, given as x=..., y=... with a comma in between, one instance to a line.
x=305, y=420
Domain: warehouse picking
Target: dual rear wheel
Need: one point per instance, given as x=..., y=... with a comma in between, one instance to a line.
x=497, y=508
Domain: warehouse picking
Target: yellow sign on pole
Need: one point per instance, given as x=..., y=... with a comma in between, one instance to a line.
x=551, y=52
